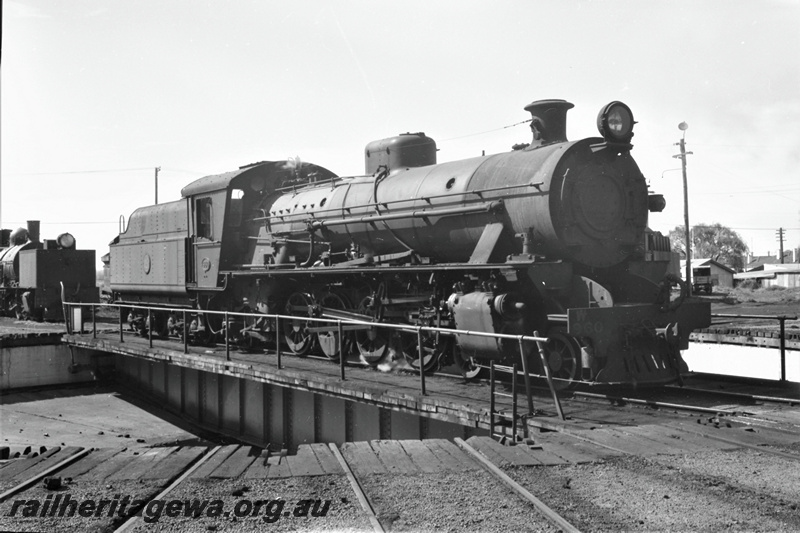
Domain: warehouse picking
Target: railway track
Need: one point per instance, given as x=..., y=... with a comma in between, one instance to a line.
x=369, y=468
x=682, y=471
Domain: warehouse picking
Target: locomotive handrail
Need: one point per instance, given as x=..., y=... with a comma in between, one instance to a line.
x=423, y=213
x=477, y=192
x=323, y=181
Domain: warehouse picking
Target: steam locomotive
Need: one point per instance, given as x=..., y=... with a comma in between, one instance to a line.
x=37, y=276
x=550, y=237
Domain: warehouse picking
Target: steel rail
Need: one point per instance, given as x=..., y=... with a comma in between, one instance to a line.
x=754, y=397
x=749, y=317
x=657, y=404
x=362, y=497
x=130, y=522
x=755, y=447
x=41, y=475
x=552, y=516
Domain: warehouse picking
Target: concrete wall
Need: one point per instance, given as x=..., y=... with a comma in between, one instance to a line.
x=40, y=366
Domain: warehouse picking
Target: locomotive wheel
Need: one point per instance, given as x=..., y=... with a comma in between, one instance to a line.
x=295, y=332
x=372, y=343
x=433, y=350
x=329, y=340
x=563, y=359
x=469, y=367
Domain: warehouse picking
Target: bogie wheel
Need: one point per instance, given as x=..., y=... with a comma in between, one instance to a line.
x=469, y=367
x=329, y=340
x=295, y=332
x=434, y=348
x=372, y=343
x=563, y=356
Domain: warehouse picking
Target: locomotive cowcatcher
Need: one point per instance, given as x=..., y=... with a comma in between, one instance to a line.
x=551, y=237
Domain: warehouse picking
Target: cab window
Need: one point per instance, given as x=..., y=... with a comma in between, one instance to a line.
x=236, y=208
x=205, y=218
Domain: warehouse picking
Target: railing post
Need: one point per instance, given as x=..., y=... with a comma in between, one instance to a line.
x=546, y=367
x=278, y=339
x=94, y=322
x=185, y=332
x=514, y=402
x=782, y=320
x=150, y=327
x=491, y=398
x=421, y=360
x=227, y=338
x=121, y=312
x=342, y=355
x=526, y=375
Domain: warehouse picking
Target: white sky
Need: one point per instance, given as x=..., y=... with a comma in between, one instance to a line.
x=96, y=93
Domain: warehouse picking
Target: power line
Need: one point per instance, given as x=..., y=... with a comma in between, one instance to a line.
x=62, y=172
x=99, y=171
x=484, y=132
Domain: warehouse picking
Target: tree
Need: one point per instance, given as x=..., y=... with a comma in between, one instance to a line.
x=712, y=241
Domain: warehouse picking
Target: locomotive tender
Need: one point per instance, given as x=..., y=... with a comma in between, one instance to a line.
x=35, y=276
x=550, y=237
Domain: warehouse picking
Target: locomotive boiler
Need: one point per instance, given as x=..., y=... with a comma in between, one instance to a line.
x=550, y=237
x=37, y=275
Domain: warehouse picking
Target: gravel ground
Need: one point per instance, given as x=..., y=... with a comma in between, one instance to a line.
x=741, y=490
x=343, y=514
x=713, y=491
x=81, y=492
x=469, y=501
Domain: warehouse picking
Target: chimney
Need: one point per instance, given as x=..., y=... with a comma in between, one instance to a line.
x=548, y=121
x=33, y=230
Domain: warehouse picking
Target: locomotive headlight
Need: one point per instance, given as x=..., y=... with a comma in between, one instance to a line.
x=66, y=241
x=615, y=123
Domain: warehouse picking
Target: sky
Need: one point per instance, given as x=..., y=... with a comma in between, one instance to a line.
x=95, y=94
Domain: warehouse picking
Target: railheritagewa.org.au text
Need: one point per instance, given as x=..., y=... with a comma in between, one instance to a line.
x=64, y=506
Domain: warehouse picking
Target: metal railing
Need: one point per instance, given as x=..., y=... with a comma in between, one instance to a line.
x=74, y=318
x=781, y=335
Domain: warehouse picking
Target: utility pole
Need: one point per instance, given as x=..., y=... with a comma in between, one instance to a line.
x=779, y=235
x=158, y=169
x=682, y=156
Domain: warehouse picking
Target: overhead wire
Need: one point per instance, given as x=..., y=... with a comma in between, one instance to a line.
x=485, y=132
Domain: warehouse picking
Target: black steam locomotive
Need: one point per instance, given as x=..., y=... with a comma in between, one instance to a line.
x=37, y=275
x=550, y=237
